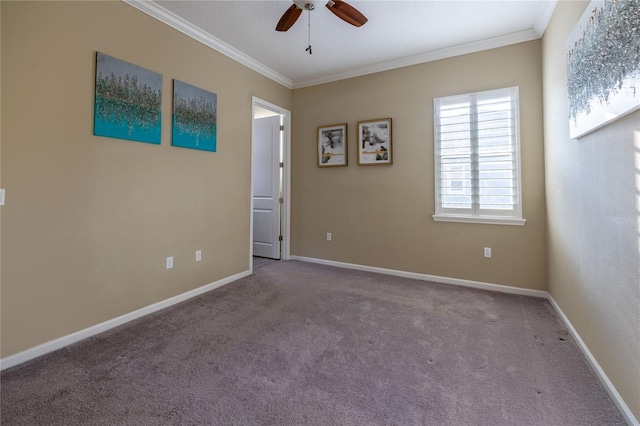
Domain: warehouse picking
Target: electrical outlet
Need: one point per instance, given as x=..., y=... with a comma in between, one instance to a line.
x=170, y=262
x=198, y=255
x=487, y=252
x=1, y=197
x=328, y=236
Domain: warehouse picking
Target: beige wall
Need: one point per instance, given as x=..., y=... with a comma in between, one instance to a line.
x=381, y=215
x=89, y=220
x=593, y=203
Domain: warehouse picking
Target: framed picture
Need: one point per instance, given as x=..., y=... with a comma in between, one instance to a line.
x=127, y=102
x=374, y=142
x=332, y=145
x=194, y=117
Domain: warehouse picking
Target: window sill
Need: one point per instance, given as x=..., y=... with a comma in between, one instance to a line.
x=489, y=220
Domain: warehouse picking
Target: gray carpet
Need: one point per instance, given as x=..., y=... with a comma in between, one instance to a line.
x=259, y=262
x=304, y=344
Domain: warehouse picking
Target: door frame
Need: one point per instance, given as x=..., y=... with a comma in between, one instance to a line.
x=285, y=223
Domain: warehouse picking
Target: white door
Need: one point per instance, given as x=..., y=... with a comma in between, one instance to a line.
x=266, y=187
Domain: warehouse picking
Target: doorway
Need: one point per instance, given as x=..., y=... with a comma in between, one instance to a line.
x=270, y=176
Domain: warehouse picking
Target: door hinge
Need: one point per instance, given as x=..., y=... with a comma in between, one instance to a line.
x=282, y=128
x=281, y=164
x=280, y=238
x=281, y=200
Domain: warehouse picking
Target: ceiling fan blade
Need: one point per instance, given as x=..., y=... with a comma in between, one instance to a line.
x=289, y=18
x=346, y=12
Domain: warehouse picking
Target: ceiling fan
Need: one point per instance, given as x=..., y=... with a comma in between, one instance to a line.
x=339, y=8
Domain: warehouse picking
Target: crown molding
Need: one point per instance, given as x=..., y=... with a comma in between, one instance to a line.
x=544, y=16
x=462, y=49
x=158, y=12
x=163, y=15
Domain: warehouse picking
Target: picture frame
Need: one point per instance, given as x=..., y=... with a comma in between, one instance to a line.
x=332, y=145
x=374, y=142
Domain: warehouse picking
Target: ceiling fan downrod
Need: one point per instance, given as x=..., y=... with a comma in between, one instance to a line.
x=308, y=49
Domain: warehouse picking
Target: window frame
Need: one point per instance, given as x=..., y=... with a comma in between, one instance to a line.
x=474, y=214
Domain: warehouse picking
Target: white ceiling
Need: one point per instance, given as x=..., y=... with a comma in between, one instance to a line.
x=399, y=33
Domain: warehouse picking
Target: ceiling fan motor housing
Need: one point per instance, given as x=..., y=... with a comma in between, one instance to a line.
x=307, y=4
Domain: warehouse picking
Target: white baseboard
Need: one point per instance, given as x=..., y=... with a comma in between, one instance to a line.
x=424, y=277
x=602, y=376
x=69, y=339
x=609, y=387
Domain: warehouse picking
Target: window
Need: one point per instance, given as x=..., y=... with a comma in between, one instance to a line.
x=477, y=158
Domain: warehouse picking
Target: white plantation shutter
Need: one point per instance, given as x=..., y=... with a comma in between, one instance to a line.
x=477, y=158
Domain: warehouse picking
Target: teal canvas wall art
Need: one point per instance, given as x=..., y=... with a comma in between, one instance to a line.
x=603, y=65
x=127, y=102
x=194, y=117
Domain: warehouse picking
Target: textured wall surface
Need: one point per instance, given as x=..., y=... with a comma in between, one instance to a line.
x=381, y=215
x=89, y=220
x=593, y=202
